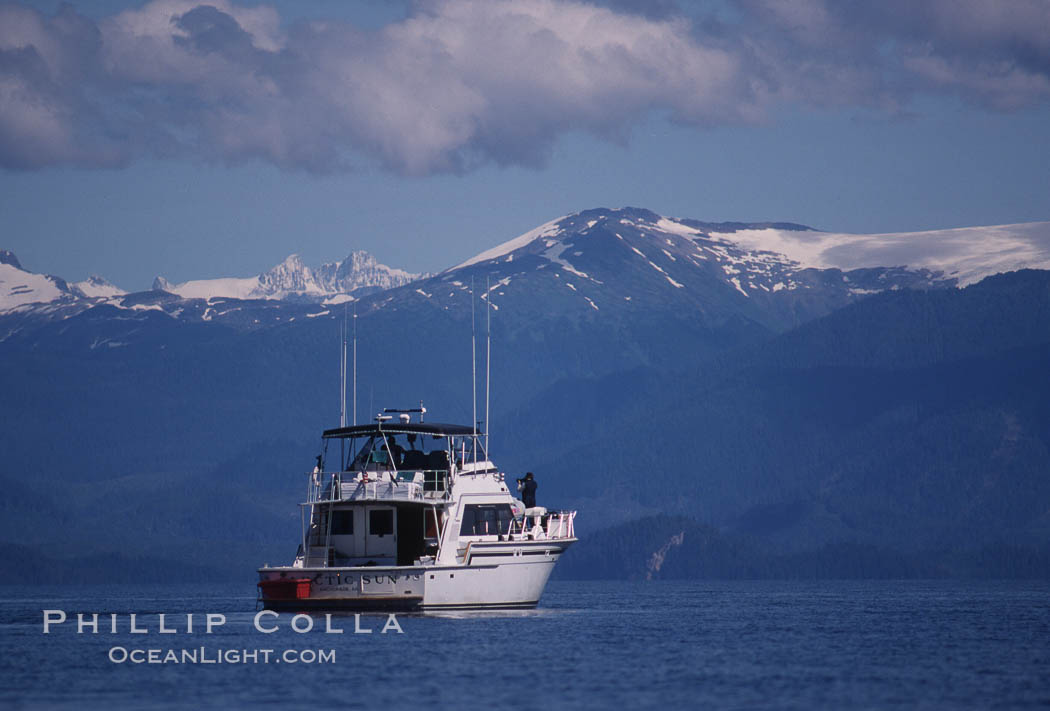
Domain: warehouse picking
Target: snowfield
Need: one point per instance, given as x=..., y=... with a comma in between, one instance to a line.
x=969, y=253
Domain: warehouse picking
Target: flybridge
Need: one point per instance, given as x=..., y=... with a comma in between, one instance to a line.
x=389, y=439
x=431, y=428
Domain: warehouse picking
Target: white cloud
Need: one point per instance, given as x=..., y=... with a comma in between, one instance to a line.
x=459, y=83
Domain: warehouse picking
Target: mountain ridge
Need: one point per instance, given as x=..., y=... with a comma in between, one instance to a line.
x=290, y=281
x=754, y=259
x=360, y=273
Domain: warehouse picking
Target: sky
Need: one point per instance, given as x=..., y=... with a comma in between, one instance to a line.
x=197, y=139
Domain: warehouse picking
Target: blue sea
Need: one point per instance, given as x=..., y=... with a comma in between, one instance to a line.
x=590, y=645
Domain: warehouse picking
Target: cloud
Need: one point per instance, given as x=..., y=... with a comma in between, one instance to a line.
x=993, y=53
x=461, y=83
x=823, y=52
x=45, y=65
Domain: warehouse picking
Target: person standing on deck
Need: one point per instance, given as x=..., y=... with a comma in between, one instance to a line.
x=394, y=452
x=527, y=487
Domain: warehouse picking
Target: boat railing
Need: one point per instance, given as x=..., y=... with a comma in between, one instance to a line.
x=402, y=485
x=543, y=525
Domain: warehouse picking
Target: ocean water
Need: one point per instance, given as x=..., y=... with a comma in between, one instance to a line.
x=590, y=645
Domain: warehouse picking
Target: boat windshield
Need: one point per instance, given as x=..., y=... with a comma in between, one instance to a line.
x=390, y=450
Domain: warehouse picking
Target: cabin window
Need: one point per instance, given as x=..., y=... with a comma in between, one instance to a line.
x=486, y=520
x=343, y=523
x=381, y=522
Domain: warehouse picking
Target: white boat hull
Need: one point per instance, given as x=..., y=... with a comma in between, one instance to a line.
x=494, y=575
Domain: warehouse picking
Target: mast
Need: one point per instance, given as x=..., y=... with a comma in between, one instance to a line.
x=355, y=362
x=342, y=393
x=488, y=359
x=342, y=375
x=473, y=365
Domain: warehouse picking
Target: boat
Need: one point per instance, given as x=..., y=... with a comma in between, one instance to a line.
x=414, y=517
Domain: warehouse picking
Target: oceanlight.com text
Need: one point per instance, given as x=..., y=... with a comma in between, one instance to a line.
x=203, y=655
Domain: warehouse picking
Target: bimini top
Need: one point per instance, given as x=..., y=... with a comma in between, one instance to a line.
x=432, y=428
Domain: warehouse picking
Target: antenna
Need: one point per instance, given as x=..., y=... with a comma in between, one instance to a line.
x=355, y=362
x=342, y=390
x=473, y=362
x=488, y=358
x=342, y=375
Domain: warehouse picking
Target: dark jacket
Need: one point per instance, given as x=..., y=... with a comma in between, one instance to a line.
x=528, y=493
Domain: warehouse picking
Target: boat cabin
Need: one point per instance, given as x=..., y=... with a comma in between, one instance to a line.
x=382, y=494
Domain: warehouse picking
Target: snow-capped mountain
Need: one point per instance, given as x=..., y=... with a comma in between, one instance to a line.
x=361, y=273
x=19, y=287
x=292, y=281
x=357, y=275
x=95, y=287
x=764, y=255
x=602, y=263
x=591, y=264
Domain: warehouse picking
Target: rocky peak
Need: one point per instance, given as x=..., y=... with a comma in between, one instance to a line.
x=290, y=275
x=360, y=270
x=8, y=257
